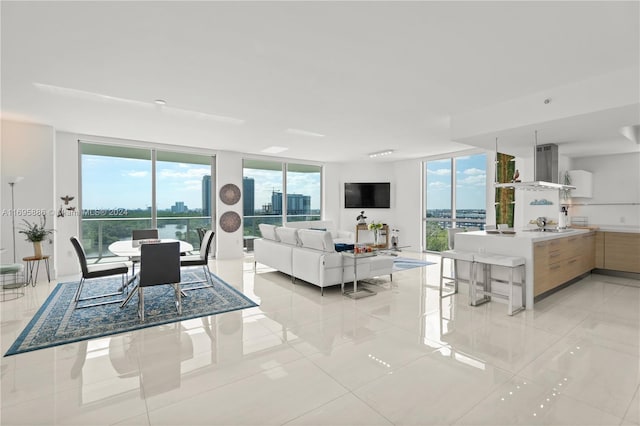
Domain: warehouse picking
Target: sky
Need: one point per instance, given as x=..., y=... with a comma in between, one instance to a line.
x=110, y=182
x=470, y=180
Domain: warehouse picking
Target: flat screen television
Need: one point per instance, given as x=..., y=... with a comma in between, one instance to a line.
x=371, y=195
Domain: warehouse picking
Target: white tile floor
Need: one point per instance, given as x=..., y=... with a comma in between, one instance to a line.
x=399, y=357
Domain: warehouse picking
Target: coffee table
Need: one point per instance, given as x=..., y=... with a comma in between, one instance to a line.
x=356, y=293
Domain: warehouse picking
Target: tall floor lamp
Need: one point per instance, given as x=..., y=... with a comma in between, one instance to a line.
x=12, y=181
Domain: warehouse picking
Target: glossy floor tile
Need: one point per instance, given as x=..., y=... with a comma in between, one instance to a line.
x=403, y=356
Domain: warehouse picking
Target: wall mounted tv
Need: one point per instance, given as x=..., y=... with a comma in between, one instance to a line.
x=371, y=195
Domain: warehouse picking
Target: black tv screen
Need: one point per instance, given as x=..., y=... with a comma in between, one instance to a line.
x=374, y=195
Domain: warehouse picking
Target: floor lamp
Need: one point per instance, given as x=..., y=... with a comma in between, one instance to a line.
x=12, y=181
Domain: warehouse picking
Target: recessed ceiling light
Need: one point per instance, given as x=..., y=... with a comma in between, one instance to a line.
x=381, y=153
x=274, y=149
x=160, y=102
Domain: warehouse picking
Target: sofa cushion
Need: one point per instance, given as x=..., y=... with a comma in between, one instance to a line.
x=288, y=235
x=317, y=240
x=268, y=231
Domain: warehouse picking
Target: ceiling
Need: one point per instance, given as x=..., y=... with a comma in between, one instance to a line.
x=328, y=81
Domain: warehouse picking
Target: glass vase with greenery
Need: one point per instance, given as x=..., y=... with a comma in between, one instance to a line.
x=376, y=227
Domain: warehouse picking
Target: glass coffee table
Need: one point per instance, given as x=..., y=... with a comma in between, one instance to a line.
x=355, y=293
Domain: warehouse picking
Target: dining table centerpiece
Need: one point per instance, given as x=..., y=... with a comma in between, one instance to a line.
x=36, y=233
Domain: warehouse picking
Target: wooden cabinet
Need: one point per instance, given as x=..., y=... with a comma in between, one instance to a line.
x=622, y=251
x=562, y=259
x=599, y=250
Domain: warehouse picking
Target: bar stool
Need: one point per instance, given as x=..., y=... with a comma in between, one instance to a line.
x=488, y=261
x=33, y=262
x=455, y=256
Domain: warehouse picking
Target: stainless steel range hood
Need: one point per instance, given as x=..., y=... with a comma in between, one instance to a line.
x=545, y=164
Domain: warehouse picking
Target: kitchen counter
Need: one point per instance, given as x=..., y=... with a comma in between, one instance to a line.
x=619, y=228
x=529, y=234
x=519, y=243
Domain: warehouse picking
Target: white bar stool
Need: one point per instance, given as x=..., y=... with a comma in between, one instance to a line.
x=488, y=260
x=455, y=256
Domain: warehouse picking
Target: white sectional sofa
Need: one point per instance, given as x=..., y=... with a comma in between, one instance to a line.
x=310, y=255
x=338, y=236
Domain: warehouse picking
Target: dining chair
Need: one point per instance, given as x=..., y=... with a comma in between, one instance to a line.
x=144, y=234
x=136, y=236
x=159, y=265
x=201, y=259
x=98, y=270
x=201, y=232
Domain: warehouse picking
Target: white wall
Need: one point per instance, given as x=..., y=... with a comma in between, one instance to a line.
x=405, y=212
x=27, y=150
x=616, y=187
x=408, y=204
x=228, y=170
x=366, y=172
x=66, y=176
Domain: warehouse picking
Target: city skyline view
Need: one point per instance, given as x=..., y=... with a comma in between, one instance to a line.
x=125, y=183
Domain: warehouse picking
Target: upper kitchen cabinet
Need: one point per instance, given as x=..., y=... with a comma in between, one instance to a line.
x=583, y=182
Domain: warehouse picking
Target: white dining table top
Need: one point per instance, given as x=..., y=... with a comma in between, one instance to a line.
x=125, y=248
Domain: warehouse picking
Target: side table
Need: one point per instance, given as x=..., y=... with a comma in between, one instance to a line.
x=11, y=278
x=33, y=262
x=356, y=293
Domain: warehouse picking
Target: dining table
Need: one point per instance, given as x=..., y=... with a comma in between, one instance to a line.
x=127, y=248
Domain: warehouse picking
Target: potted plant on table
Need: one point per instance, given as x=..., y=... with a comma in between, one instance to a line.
x=36, y=233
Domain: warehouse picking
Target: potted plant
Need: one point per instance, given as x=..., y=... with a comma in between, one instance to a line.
x=36, y=233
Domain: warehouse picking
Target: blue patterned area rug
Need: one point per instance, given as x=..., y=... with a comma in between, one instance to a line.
x=404, y=263
x=58, y=323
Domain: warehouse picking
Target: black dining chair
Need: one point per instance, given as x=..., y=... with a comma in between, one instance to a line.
x=201, y=232
x=138, y=235
x=159, y=265
x=201, y=259
x=97, y=270
x=144, y=234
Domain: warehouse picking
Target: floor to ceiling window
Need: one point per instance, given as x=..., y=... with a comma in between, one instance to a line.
x=455, y=196
x=276, y=192
x=303, y=192
x=120, y=192
x=183, y=195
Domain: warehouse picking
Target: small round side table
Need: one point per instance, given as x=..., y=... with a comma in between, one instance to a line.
x=33, y=262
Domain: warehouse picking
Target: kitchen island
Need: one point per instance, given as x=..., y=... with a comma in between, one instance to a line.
x=551, y=258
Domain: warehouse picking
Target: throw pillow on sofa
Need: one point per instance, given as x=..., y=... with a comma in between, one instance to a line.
x=344, y=247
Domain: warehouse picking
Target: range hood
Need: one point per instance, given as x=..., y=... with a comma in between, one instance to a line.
x=545, y=164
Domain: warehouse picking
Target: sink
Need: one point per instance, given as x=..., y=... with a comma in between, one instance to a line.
x=556, y=230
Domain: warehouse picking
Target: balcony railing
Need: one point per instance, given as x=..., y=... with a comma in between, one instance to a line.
x=99, y=233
